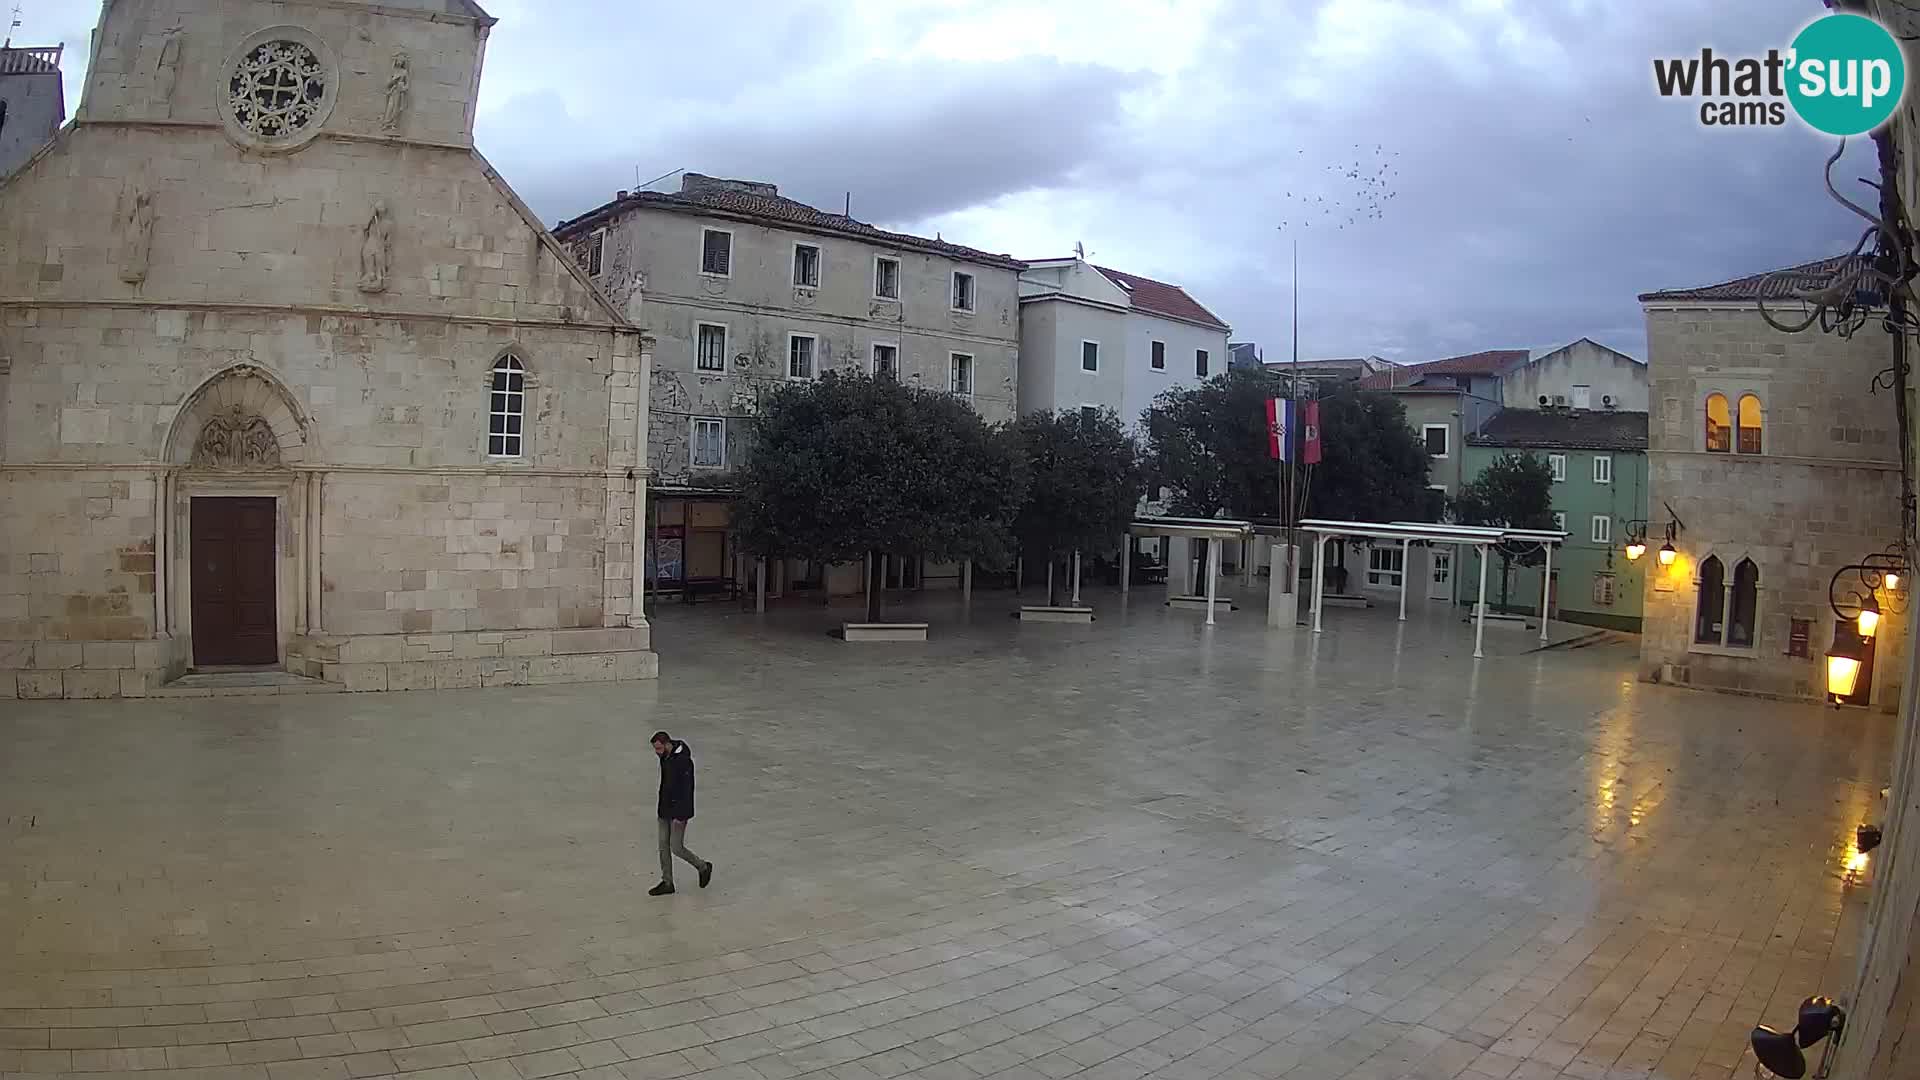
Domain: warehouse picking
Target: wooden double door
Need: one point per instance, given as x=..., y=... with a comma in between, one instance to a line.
x=234, y=615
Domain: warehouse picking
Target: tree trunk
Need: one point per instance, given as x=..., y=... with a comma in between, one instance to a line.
x=876, y=583
x=1506, y=567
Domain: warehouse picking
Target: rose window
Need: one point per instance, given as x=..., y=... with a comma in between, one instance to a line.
x=277, y=89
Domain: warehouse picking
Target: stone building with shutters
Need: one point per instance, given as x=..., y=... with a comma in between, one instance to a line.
x=747, y=289
x=291, y=379
x=1778, y=468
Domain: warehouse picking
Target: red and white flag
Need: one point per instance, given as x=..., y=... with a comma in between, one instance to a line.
x=1310, y=454
x=1279, y=413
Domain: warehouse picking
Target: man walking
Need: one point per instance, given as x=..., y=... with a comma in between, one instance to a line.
x=676, y=809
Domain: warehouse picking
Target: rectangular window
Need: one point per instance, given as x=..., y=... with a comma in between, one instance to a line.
x=1089, y=356
x=1583, y=397
x=591, y=253
x=1159, y=356
x=710, y=354
x=962, y=291
x=886, y=361
x=1603, y=590
x=1558, y=463
x=1602, y=529
x=799, y=356
x=806, y=266
x=1384, y=565
x=1560, y=521
x=716, y=252
x=1200, y=363
x=1089, y=415
x=709, y=443
x=1603, y=469
x=886, y=278
x=960, y=374
x=1436, y=438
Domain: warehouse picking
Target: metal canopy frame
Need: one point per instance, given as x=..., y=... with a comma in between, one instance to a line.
x=1480, y=537
x=1211, y=529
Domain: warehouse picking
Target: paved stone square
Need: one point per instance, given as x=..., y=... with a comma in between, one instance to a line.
x=1140, y=849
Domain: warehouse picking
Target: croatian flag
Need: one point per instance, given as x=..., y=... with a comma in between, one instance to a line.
x=1281, y=415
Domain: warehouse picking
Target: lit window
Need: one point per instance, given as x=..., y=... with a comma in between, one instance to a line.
x=1436, y=439
x=709, y=443
x=1603, y=469
x=1159, y=356
x=507, y=408
x=1200, y=363
x=1089, y=356
x=1719, y=425
x=711, y=353
x=886, y=278
x=1602, y=529
x=960, y=379
x=962, y=291
x=806, y=266
x=1751, y=423
x=886, y=361
x=716, y=252
x=800, y=356
x=1558, y=463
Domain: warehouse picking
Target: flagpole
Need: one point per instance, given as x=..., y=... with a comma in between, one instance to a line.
x=1288, y=477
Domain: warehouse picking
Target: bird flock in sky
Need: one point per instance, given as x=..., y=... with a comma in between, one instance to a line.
x=1360, y=191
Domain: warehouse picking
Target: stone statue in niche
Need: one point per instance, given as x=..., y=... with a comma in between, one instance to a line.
x=374, y=249
x=397, y=83
x=237, y=439
x=136, y=236
x=166, y=74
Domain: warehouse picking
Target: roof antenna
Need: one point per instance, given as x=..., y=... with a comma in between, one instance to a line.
x=848, y=212
x=16, y=25
x=1080, y=251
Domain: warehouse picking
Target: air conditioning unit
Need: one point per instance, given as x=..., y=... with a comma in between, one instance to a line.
x=1543, y=401
x=1606, y=401
x=1559, y=401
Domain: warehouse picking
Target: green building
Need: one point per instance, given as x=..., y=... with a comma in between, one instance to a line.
x=1599, y=461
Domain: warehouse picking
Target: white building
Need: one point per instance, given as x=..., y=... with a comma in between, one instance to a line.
x=1095, y=337
x=1582, y=375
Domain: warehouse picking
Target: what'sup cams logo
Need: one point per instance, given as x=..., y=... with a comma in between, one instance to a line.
x=1843, y=75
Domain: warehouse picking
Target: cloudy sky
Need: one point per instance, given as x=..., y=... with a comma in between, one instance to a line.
x=1537, y=182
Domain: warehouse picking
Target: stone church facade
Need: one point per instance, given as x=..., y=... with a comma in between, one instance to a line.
x=289, y=376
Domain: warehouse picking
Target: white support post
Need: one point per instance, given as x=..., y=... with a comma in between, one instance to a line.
x=1076, y=579
x=1319, y=578
x=1480, y=609
x=760, y=585
x=1126, y=565
x=1546, y=590
x=1213, y=575
x=1406, y=568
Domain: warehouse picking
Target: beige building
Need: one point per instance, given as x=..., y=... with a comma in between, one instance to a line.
x=1781, y=469
x=289, y=377
x=747, y=289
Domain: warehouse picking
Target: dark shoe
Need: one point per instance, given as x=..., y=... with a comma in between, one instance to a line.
x=665, y=888
x=706, y=875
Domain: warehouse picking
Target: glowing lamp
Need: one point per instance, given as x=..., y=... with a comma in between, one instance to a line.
x=1869, y=620
x=1635, y=550
x=1893, y=582
x=1667, y=554
x=1843, y=669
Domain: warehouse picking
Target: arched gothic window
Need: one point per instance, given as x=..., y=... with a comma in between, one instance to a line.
x=507, y=408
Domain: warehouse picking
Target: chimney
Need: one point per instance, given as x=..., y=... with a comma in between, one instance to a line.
x=621, y=194
x=695, y=183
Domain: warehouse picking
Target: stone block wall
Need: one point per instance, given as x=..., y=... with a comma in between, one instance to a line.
x=411, y=553
x=76, y=555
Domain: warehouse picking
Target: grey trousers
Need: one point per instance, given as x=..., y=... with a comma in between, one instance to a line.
x=673, y=841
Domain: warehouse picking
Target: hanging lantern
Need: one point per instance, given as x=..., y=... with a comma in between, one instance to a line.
x=1636, y=549
x=1869, y=618
x=1668, y=554
x=1843, y=669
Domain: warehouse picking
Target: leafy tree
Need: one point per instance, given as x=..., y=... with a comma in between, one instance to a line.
x=1084, y=482
x=1208, y=445
x=1515, y=491
x=847, y=466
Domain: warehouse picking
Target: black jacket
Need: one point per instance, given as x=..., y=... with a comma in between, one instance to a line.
x=676, y=783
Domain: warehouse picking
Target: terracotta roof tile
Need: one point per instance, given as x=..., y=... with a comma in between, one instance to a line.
x=1558, y=430
x=1486, y=362
x=1160, y=298
x=777, y=208
x=1768, y=285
